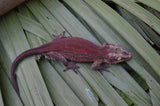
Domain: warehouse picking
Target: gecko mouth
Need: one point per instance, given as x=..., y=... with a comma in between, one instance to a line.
x=127, y=55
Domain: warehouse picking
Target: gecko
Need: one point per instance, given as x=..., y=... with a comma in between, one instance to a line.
x=70, y=50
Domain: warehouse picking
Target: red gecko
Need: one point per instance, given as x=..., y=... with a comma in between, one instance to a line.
x=76, y=50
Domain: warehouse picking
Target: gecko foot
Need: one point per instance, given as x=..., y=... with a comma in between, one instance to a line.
x=71, y=65
x=60, y=36
x=102, y=68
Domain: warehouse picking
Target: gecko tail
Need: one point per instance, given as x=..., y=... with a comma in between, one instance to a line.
x=13, y=76
x=15, y=64
x=14, y=81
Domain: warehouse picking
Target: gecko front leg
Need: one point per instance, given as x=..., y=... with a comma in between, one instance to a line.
x=58, y=56
x=98, y=65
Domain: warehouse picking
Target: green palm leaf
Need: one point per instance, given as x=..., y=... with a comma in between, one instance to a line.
x=44, y=83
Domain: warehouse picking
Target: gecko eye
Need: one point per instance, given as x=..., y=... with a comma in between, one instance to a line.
x=125, y=53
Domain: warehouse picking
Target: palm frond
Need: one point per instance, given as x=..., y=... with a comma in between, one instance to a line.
x=123, y=22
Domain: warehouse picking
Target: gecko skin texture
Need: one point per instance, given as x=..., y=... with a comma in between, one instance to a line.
x=70, y=50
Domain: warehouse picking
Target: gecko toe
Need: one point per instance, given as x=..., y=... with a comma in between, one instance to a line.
x=75, y=71
x=76, y=66
x=106, y=70
x=65, y=69
x=102, y=68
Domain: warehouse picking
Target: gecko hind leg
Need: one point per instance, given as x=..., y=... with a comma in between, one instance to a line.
x=60, y=36
x=58, y=56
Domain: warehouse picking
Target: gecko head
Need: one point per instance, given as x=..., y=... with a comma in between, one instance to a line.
x=116, y=54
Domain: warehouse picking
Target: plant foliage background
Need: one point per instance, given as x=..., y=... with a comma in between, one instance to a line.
x=133, y=24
